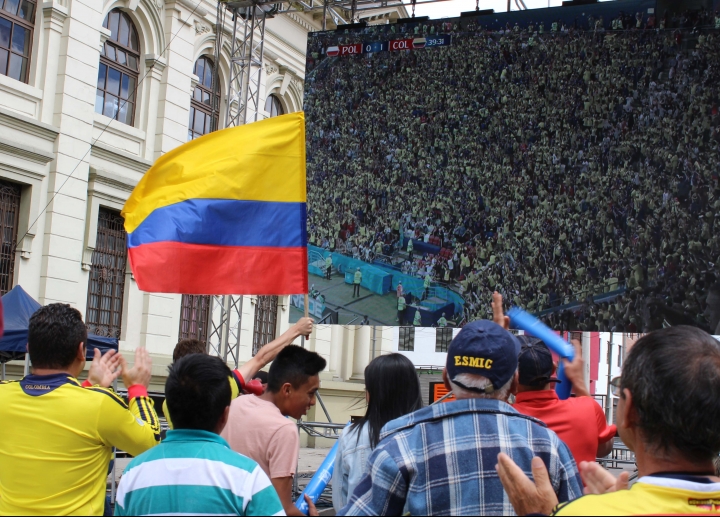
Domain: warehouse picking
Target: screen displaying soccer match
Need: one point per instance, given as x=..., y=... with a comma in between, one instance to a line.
x=571, y=167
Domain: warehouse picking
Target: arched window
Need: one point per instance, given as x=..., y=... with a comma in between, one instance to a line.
x=17, y=19
x=273, y=106
x=204, y=105
x=119, y=69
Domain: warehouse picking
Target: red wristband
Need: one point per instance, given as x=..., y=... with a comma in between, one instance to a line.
x=239, y=379
x=86, y=384
x=137, y=390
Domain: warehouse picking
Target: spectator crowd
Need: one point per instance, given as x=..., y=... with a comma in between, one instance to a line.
x=232, y=450
x=555, y=163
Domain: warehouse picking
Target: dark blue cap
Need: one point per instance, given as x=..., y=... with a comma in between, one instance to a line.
x=484, y=348
x=535, y=364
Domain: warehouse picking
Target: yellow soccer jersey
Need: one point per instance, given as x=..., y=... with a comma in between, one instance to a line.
x=56, y=442
x=651, y=496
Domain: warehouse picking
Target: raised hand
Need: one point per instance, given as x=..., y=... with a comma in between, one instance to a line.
x=498, y=313
x=104, y=368
x=141, y=372
x=599, y=481
x=527, y=497
x=304, y=327
x=575, y=371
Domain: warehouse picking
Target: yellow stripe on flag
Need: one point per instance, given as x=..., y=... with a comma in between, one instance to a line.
x=263, y=161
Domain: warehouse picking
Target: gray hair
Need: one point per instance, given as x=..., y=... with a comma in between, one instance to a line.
x=481, y=383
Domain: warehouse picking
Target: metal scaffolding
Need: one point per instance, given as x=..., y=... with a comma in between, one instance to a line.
x=242, y=106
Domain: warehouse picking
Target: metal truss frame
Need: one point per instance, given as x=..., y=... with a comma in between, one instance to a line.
x=246, y=64
x=224, y=328
x=243, y=106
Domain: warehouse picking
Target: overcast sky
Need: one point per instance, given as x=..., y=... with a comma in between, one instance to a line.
x=453, y=8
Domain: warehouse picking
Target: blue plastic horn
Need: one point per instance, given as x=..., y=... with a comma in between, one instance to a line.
x=533, y=326
x=319, y=481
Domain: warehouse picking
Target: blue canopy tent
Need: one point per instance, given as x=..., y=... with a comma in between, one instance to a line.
x=18, y=307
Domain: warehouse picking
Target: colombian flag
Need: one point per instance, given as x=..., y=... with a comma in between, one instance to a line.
x=224, y=214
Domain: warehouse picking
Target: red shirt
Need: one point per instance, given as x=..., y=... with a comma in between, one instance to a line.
x=579, y=422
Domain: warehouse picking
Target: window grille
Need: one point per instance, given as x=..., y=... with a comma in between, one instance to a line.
x=204, y=106
x=194, y=317
x=443, y=336
x=118, y=71
x=9, y=215
x=265, y=321
x=17, y=20
x=407, y=339
x=106, y=288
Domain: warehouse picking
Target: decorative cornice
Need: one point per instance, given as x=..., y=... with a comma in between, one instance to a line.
x=54, y=15
x=26, y=173
x=28, y=125
x=111, y=180
x=192, y=6
x=115, y=155
x=104, y=36
x=155, y=62
x=25, y=151
x=301, y=22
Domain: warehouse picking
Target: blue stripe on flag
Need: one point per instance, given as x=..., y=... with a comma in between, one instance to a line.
x=225, y=222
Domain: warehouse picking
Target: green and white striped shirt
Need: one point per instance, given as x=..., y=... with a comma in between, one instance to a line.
x=195, y=473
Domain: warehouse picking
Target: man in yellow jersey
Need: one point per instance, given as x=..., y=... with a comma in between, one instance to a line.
x=56, y=437
x=668, y=415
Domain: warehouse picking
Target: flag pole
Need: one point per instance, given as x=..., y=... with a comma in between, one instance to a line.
x=307, y=315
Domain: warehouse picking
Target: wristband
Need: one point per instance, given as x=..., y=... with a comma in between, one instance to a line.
x=86, y=384
x=239, y=379
x=136, y=391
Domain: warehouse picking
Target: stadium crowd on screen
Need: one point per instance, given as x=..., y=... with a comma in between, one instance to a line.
x=555, y=166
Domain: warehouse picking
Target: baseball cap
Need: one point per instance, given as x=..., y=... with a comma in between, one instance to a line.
x=535, y=364
x=483, y=348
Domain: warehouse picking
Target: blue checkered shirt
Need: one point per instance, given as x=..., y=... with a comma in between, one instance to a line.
x=441, y=461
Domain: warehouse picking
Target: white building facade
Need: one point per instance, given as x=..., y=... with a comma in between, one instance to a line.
x=91, y=94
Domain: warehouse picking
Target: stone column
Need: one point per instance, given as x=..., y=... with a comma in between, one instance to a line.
x=72, y=112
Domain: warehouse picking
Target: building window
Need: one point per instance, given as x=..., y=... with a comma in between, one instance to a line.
x=194, y=317
x=265, y=321
x=106, y=288
x=9, y=209
x=273, y=106
x=118, y=72
x=204, y=105
x=443, y=336
x=407, y=339
x=17, y=18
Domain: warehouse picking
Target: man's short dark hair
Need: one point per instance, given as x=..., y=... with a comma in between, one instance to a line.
x=294, y=365
x=261, y=376
x=674, y=378
x=188, y=346
x=197, y=391
x=54, y=333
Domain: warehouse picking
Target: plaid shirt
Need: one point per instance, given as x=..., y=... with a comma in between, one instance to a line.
x=441, y=461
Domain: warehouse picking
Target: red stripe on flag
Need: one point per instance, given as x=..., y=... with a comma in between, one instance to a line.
x=173, y=267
